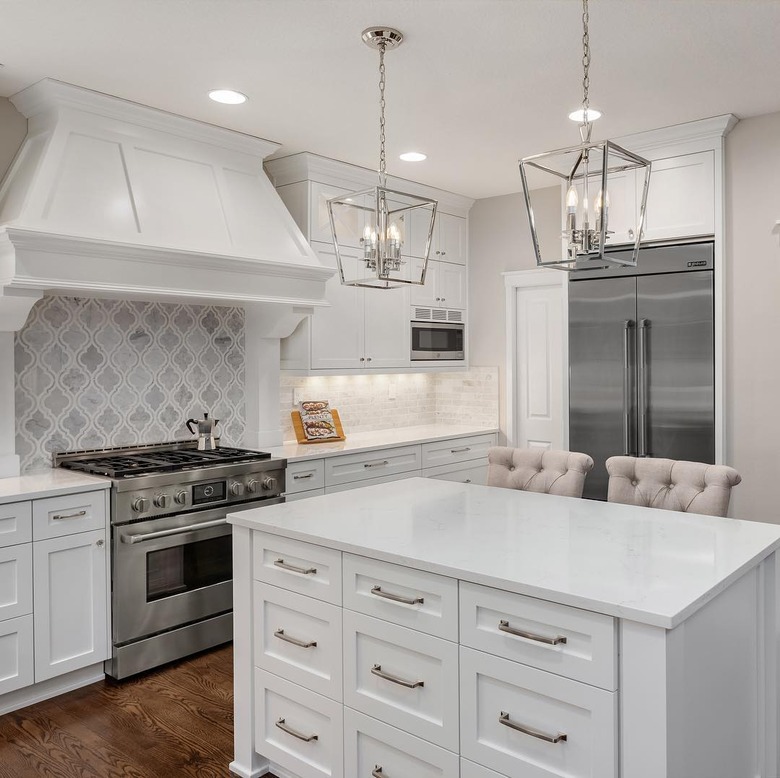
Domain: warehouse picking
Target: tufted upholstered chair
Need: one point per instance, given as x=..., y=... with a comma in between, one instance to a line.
x=538, y=470
x=693, y=487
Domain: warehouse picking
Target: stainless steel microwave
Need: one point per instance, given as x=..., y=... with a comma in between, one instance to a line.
x=437, y=340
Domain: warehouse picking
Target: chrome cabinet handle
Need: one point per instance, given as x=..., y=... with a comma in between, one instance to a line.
x=377, y=670
x=377, y=592
x=642, y=393
x=287, y=639
x=59, y=516
x=377, y=772
x=290, y=731
x=503, y=625
x=460, y=450
x=100, y=543
x=630, y=233
x=164, y=533
x=376, y=464
x=301, y=477
x=627, y=327
x=507, y=722
x=294, y=569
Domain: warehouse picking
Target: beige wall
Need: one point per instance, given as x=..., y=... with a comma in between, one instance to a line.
x=500, y=240
x=753, y=314
x=13, y=128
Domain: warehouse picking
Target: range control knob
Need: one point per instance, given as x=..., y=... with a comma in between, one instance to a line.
x=269, y=483
x=180, y=497
x=140, y=504
x=236, y=488
x=251, y=486
x=161, y=500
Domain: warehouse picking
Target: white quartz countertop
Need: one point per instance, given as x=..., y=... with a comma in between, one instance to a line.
x=49, y=483
x=371, y=441
x=651, y=566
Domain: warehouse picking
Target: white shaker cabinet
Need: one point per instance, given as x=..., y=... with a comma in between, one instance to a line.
x=445, y=285
x=449, y=241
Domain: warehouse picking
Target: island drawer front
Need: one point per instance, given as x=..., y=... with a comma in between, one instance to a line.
x=372, y=587
x=304, y=495
x=429, y=710
x=298, y=638
x=448, y=452
x=15, y=523
x=301, y=731
x=371, y=464
x=498, y=697
x=589, y=653
x=16, y=581
x=302, y=476
x=300, y=567
x=469, y=769
x=371, y=746
x=385, y=479
x=16, y=653
x=67, y=514
x=465, y=473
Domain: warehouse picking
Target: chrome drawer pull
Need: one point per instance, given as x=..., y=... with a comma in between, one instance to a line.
x=460, y=450
x=58, y=516
x=376, y=464
x=377, y=591
x=300, y=477
x=559, y=738
x=377, y=670
x=292, y=568
x=290, y=731
x=504, y=627
x=287, y=639
x=377, y=772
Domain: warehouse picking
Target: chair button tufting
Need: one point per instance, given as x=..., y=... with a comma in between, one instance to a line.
x=511, y=467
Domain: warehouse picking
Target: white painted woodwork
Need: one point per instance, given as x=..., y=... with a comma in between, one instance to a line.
x=70, y=602
x=436, y=615
x=346, y=487
x=449, y=241
x=372, y=464
x=304, y=495
x=271, y=553
x=623, y=206
x=429, y=711
x=537, y=371
x=67, y=514
x=16, y=653
x=16, y=581
x=445, y=285
x=370, y=745
x=452, y=452
x=469, y=769
x=387, y=331
x=15, y=523
x=304, y=476
x=281, y=616
x=467, y=473
x=279, y=701
x=547, y=703
x=589, y=653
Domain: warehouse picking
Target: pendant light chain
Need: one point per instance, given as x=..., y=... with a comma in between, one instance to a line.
x=585, y=61
x=382, y=156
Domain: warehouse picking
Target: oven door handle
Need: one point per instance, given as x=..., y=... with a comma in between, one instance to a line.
x=164, y=533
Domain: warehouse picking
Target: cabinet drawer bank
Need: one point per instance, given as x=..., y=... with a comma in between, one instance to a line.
x=445, y=676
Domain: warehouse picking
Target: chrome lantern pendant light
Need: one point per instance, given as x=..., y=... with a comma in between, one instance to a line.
x=382, y=236
x=588, y=171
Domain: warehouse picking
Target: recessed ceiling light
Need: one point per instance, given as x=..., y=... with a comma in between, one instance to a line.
x=579, y=115
x=227, y=96
x=413, y=156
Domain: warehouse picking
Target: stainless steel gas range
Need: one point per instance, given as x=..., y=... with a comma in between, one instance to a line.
x=171, y=562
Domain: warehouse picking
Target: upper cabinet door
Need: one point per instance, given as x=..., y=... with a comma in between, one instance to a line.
x=387, y=333
x=681, y=198
x=623, y=207
x=451, y=245
x=452, y=285
x=350, y=223
x=427, y=295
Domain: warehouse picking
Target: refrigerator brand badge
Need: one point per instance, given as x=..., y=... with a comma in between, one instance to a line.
x=698, y=263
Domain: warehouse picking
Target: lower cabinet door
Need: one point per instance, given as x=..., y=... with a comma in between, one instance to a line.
x=528, y=723
x=373, y=749
x=403, y=677
x=472, y=770
x=70, y=603
x=299, y=730
x=16, y=582
x=16, y=653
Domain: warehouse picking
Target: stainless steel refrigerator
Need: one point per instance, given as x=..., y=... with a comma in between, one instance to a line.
x=641, y=360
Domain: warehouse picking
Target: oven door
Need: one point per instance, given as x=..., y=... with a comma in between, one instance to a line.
x=435, y=340
x=172, y=571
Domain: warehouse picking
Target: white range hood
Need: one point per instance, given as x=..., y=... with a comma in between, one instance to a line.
x=114, y=199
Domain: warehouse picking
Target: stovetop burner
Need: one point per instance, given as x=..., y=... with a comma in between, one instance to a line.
x=162, y=458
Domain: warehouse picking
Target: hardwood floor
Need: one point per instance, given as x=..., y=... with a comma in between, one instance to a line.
x=176, y=722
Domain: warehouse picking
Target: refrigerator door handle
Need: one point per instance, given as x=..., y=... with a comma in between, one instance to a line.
x=642, y=388
x=628, y=325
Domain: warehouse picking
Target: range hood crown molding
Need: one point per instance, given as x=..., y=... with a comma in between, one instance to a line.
x=113, y=199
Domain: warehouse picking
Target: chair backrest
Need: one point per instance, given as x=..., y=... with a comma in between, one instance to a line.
x=538, y=470
x=692, y=487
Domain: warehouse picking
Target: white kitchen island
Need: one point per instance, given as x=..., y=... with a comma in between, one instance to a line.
x=425, y=628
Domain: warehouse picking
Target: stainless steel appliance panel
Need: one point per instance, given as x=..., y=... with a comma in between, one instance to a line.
x=675, y=331
x=437, y=340
x=602, y=373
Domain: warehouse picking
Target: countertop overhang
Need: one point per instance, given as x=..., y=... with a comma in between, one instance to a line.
x=651, y=566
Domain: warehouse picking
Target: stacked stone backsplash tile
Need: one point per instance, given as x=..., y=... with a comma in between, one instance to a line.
x=97, y=373
x=364, y=404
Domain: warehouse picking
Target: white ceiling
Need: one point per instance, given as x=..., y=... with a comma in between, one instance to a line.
x=476, y=85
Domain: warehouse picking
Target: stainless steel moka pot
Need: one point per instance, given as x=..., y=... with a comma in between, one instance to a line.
x=206, y=439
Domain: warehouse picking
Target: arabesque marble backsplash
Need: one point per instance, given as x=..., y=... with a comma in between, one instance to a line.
x=96, y=373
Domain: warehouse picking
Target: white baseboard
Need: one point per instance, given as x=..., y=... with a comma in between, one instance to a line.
x=269, y=767
x=53, y=687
